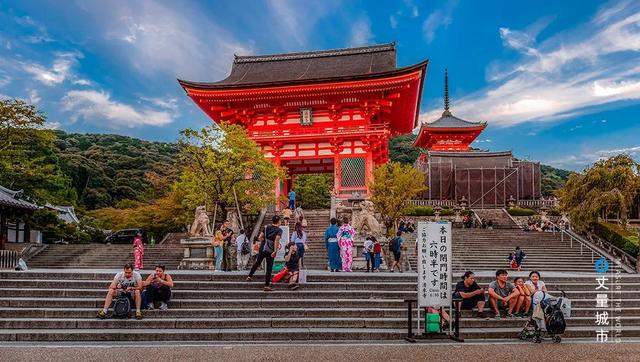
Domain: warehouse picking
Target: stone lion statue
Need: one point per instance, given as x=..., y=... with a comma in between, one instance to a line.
x=200, y=226
x=364, y=219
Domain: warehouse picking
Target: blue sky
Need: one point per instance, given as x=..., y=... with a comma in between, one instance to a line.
x=557, y=82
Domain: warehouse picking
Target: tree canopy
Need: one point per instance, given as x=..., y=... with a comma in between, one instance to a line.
x=608, y=187
x=28, y=158
x=314, y=190
x=217, y=162
x=394, y=185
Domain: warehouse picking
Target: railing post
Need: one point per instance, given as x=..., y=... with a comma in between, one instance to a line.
x=580, y=248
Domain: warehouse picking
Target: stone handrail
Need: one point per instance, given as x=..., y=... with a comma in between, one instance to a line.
x=624, y=257
x=440, y=203
x=8, y=259
x=538, y=203
x=595, y=249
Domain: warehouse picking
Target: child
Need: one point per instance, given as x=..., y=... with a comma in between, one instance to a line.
x=524, y=299
x=512, y=260
x=368, y=253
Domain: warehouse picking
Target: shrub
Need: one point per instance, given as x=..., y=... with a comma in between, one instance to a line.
x=447, y=212
x=554, y=212
x=517, y=211
x=421, y=211
x=617, y=236
x=466, y=212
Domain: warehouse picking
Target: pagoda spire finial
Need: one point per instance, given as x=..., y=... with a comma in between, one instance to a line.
x=446, y=94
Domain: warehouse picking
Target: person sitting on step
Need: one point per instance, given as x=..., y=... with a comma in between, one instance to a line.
x=292, y=263
x=471, y=293
x=503, y=294
x=127, y=282
x=158, y=289
x=524, y=299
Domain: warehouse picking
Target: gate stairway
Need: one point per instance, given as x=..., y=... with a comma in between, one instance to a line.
x=498, y=216
x=98, y=256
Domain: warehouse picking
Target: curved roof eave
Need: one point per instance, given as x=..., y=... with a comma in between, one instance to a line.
x=215, y=86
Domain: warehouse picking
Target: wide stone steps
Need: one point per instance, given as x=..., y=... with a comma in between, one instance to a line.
x=61, y=306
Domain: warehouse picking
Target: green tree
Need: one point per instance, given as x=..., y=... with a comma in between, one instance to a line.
x=394, y=185
x=28, y=160
x=608, y=187
x=314, y=191
x=218, y=161
x=401, y=149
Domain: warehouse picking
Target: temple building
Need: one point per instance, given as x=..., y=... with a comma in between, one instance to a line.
x=456, y=173
x=329, y=111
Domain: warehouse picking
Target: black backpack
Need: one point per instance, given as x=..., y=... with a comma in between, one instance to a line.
x=121, y=307
x=393, y=244
x=555, y=320
x=245, y=248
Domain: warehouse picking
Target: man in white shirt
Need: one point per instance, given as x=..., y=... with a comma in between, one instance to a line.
x=127, y=282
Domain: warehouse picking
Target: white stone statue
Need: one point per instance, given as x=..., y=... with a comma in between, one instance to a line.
x=200, y=226
x=365, y=220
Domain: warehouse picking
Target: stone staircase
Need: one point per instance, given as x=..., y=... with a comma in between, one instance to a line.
x=99, y=256
x=315, y=258
x=483, y=249
x=61, y=306
x=500, y=218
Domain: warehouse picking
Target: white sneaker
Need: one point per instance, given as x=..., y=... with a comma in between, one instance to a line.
x=150, y=306
x=163, y=306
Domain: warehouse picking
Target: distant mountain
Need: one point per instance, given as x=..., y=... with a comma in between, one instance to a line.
x=106, y=169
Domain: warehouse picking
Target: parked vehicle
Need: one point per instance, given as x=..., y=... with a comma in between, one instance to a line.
x=125, y=236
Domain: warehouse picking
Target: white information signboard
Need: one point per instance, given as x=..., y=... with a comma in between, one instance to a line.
x=284, y=240
x=434, y=264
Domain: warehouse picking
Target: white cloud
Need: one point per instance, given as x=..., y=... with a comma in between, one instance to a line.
x=59, y=71
x=98, y=107
x=185, y=43
x=34, y=97
x=586, y=158
x=440, y=18
x=168, y=103
x=361, y=33
x=393, y=21
x=4, y=79
x=567, y=75
x=292, y=22
x=51, y=125
x=39, y=31
x=82, y=82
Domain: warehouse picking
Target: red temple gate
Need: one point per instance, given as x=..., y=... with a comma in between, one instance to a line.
x=318, y=112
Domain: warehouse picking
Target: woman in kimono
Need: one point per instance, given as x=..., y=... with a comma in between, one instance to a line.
x=138, y=252
x=345, y=241
x=333, y=248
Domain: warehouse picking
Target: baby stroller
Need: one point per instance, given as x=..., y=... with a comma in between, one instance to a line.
x=551, y=318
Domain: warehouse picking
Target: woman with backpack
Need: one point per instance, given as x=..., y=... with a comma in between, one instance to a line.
x=345, y=241
x=395, y=247
x=299, y=237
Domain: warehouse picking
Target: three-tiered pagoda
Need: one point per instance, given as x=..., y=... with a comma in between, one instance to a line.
x=329, y=111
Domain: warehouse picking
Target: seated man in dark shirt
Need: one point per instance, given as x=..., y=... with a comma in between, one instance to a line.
x=292, y=263
x=471, y=293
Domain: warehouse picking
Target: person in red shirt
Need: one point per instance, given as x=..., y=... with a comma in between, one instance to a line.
x=377, y=250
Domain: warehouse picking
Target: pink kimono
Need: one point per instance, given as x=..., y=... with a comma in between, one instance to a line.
x=345, y=241
x=138, y=253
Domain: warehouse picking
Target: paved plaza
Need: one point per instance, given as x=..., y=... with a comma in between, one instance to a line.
x=331, y=351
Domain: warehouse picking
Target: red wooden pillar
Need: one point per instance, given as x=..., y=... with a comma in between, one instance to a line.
x=276, y=161
x=337, y=173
